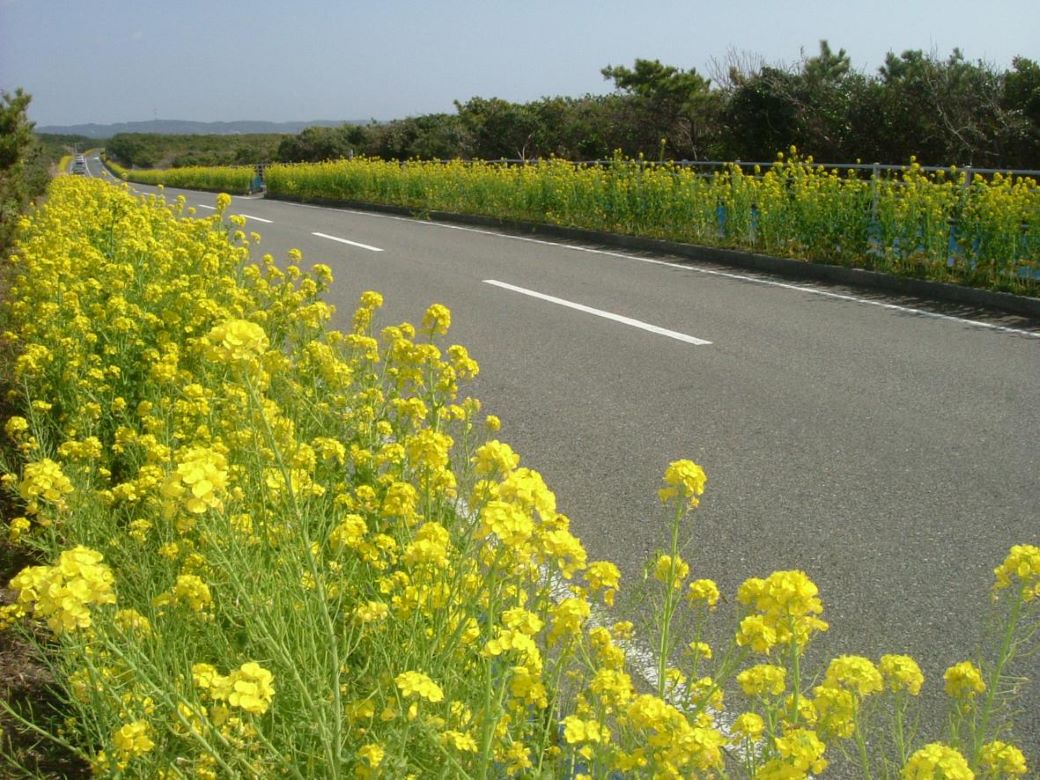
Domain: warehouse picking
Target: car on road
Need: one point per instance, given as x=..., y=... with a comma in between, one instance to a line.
x=79, y=167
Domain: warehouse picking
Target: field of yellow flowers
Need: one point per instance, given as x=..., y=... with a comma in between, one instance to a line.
x=236, y=179
x=971, y=230
x=265, y=548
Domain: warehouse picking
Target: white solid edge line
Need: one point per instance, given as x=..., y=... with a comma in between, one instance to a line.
x=258, y=219
x=345, y=241
x=757, y=280
x=690, y=267
x=600, y=313
x=204, y=206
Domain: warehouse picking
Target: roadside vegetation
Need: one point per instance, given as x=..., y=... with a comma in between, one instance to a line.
x=261, y=547
x=235, y=179
x=951, y=227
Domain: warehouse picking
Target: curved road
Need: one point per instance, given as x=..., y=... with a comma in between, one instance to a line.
x=888, y=449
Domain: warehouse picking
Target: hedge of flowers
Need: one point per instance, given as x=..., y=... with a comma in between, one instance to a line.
x=268, y=548
x=948, y=226
x=236, y=179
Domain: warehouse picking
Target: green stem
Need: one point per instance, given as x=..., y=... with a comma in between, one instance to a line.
x=861, y=744
x=669, y=603
x=796, y=673
x=333, y=752
x=900, y=729
x=488, y=729
x=1006, y=654
x=550, y=720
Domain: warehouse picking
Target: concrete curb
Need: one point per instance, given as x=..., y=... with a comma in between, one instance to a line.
x=794, y=269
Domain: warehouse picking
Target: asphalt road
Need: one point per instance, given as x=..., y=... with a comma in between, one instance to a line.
x=887, y=448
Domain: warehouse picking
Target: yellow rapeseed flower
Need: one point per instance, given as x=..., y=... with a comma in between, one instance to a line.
x=603, y=576
x=703, y=591
x=836, y=710
x=763, y=680
x=237, y=342
x=671, y=571
x=577, y=731
x=44, y=480
x=748, y=725
x=855, y=674
x=62, y=594
x=418, y=685
x=437, y=320
x=189, y=589
x=684, y=480
x=964, y=680
x=1022, y=564
x=133, y=739
x=494, y=459
x=901, y=673
x=1002, y=759
x=937, y=760
x=801, y=751
x=251, y=688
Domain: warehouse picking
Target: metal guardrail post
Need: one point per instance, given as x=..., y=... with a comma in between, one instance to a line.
x=953, y=246
x=874, y=177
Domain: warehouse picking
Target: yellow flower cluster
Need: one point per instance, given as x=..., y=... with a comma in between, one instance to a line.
x=784, y=608
x=849, y=679
x=189, y=590
x=1022, y=564
x=437, y=320
x=132, y=740
x=63, y=593
x=937, y=760
x=418, y=685
x=44, y=480
x=250, y=687
x=684, y=480
x=964, y=680
x=1001, y=759
x=198, y=481
x=801, y=755
x=901, y=673
x=237, y=342
x=763, y=679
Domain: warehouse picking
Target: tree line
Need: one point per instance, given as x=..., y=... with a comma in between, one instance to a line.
x=941, y=110
x=153, y=150
x=25, y=162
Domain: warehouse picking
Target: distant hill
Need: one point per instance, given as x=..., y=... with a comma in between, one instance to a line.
x=182, y=127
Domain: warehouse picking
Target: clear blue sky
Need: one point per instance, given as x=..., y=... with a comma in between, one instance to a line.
x=125, y=60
